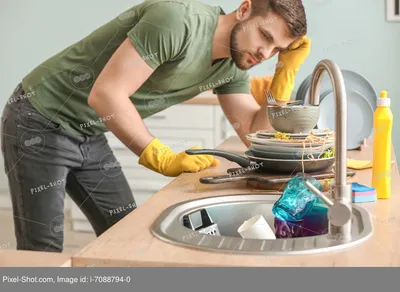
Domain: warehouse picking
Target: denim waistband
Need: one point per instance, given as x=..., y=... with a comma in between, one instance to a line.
x=18, y=95
x=18, y=88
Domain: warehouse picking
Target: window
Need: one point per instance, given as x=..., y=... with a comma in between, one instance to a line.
x=393, y=10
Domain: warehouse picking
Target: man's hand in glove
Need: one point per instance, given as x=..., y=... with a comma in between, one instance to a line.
x=160, y=158
x=289, y=62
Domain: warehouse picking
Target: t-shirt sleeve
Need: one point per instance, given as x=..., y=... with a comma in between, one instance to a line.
x=239, y=83
x=160, y=33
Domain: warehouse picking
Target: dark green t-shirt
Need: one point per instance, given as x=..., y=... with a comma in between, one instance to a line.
x=174, y=37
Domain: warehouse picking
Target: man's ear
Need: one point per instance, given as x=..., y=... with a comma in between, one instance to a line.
x=244, y=11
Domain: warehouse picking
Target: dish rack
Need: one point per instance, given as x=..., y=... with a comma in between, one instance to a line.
x=207, y=224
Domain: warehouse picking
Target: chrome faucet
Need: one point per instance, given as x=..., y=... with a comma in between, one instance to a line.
x=340, y=210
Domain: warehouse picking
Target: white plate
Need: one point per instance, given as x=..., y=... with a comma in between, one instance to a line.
x=296, y=150
x=267, y=141
x=315, y=132
x=360, y=117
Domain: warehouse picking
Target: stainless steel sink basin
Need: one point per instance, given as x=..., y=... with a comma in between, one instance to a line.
x=229, y=212
x=348, y=224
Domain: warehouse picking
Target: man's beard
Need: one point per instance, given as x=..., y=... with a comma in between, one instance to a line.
x=238, y=56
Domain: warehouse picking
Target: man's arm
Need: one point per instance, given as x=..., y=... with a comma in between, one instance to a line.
x=244, y=114
x=110, y=95
x=124, y=73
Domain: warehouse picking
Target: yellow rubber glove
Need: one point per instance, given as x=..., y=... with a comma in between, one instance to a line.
x=160, y=158
x=289, y=63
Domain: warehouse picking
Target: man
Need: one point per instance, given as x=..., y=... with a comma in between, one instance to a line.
x=155, y=55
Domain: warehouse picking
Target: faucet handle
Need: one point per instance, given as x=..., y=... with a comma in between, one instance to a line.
x=339, y=214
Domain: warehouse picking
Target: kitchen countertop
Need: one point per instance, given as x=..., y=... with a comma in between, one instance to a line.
x=22, y=258
x=130, y=242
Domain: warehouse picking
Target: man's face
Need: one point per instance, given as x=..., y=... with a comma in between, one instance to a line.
x=256, y=39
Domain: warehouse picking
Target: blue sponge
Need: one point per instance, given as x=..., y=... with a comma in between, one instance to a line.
x=362, y=194
x=364, y=199
x=359, y=188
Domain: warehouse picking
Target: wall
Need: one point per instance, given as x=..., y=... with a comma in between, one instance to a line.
x=353, y=33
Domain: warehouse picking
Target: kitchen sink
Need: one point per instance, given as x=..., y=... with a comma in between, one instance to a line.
x=230, y=211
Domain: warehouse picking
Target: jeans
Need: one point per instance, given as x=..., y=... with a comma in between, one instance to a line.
x=43, y=162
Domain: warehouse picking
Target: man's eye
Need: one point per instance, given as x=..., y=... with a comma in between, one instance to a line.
x=267, y=36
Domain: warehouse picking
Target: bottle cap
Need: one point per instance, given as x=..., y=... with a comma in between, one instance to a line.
x=383, y=100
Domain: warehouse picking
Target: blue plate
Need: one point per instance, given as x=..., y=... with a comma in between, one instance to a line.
x=323, y=95
x=301, y=93
x=360, y=117
x=352, y=81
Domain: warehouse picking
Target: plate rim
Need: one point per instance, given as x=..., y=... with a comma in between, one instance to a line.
x=286, y=149
x=282, y=144
x=372, y=103
x=294, y=134
x=286, y=160
x=371, y=112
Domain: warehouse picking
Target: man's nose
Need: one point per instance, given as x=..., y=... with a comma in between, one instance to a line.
x=267, y=53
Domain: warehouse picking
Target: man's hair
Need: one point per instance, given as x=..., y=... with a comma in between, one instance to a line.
x=292, y=12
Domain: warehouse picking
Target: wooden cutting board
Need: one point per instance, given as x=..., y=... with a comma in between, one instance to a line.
x=269, y=181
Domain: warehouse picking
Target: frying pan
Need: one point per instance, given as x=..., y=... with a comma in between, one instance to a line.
x=280, y=155
x=267, y=164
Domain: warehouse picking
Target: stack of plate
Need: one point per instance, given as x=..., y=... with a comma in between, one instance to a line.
x=361, y=102
x=298, y=147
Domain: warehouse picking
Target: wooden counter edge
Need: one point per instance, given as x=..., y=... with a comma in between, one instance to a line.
x=80, y=258
x=23, y=258
x=92, y=262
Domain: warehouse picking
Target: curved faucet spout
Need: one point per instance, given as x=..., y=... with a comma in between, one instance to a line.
x=339, y=93
x=340, y=211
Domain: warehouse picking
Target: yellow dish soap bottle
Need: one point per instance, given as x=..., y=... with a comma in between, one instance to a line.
x=382, y=149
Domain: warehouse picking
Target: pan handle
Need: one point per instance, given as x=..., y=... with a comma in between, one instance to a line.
x=222, y=179
x=242, y=161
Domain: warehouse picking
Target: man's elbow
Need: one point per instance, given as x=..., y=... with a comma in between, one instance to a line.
x=92, y=99
x=96, y=97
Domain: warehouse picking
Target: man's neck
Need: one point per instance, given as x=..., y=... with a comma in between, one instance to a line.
x=222, y=37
